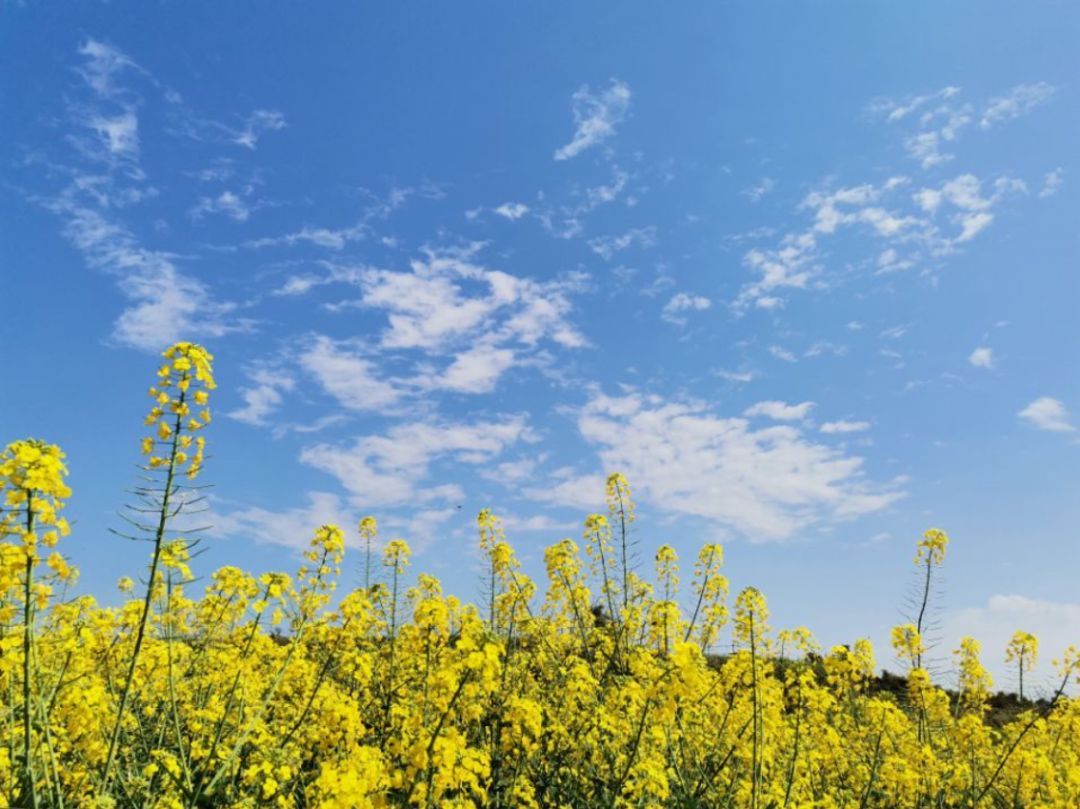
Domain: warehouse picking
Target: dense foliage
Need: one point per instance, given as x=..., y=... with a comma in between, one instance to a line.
x=592, y=692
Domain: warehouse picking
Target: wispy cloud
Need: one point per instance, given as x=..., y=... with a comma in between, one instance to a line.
x=759, y=190
x=675, y=310
x=736, y=376
x=939, y=123
x=235, y=206
x=940, y=118
x=782, y=353
x=843, y=427
x=1019, y=101
x=263, y=396
x=595, y=117
x=337, y=238
x=1052, y=183
x=165, y=304
x=118, y=134
x=256, y=125
x=930, y=221
x=607, y=246
x=512, y=210
x=779, y=411
x=101, y=66
x=109, y=110
x=245, y=131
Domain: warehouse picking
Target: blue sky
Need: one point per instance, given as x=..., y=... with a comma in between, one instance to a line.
x=805, y=272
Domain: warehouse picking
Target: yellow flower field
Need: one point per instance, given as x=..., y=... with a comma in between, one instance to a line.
x=599, y=687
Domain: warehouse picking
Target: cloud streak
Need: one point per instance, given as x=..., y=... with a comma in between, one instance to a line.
x=596, y=117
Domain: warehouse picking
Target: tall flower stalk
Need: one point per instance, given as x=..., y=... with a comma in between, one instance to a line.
x=184, y=382
x=32, y=478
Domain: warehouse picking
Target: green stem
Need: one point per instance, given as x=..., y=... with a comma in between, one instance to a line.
x=28, y=645
x=159, y=535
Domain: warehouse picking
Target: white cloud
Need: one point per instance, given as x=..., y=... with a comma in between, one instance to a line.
x=335, y=274
x=893, y=111
x=292, y=528
x=456, y=324
x=1046, y=413
x=844, y=427
x=1054, y=623
x=823, y=348
x=598, y=195
x=765, y=484
x=973, y=224
x=263, y=397
x=330, y=238
x=848, y=206
x=683, y=302
x=965, y=192
x=389, y=469
x=971, y=208
x=795, y=262
x=779, y=411
x=437, y=304
x=939, y=124
x=538, y=522
x=905, y=225
x=476, y=370
x=782, y=353
x=889, y=261
x=1019, y=101
x=1052, y=183
x=928, y=199
x=513, y=471
x=786, y=266
x=512, y=210
x=583, y=492
x=348, y=376
x=982, y=357
x=596, y=117
x=940, y=127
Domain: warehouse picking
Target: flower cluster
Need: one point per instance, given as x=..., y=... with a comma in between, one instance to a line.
x=181, y=408
x=32, y=480
x=601, y=687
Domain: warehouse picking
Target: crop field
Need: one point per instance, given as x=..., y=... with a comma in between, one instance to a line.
x=598, y=687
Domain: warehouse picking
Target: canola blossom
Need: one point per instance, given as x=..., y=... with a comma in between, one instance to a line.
x=603, y=685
